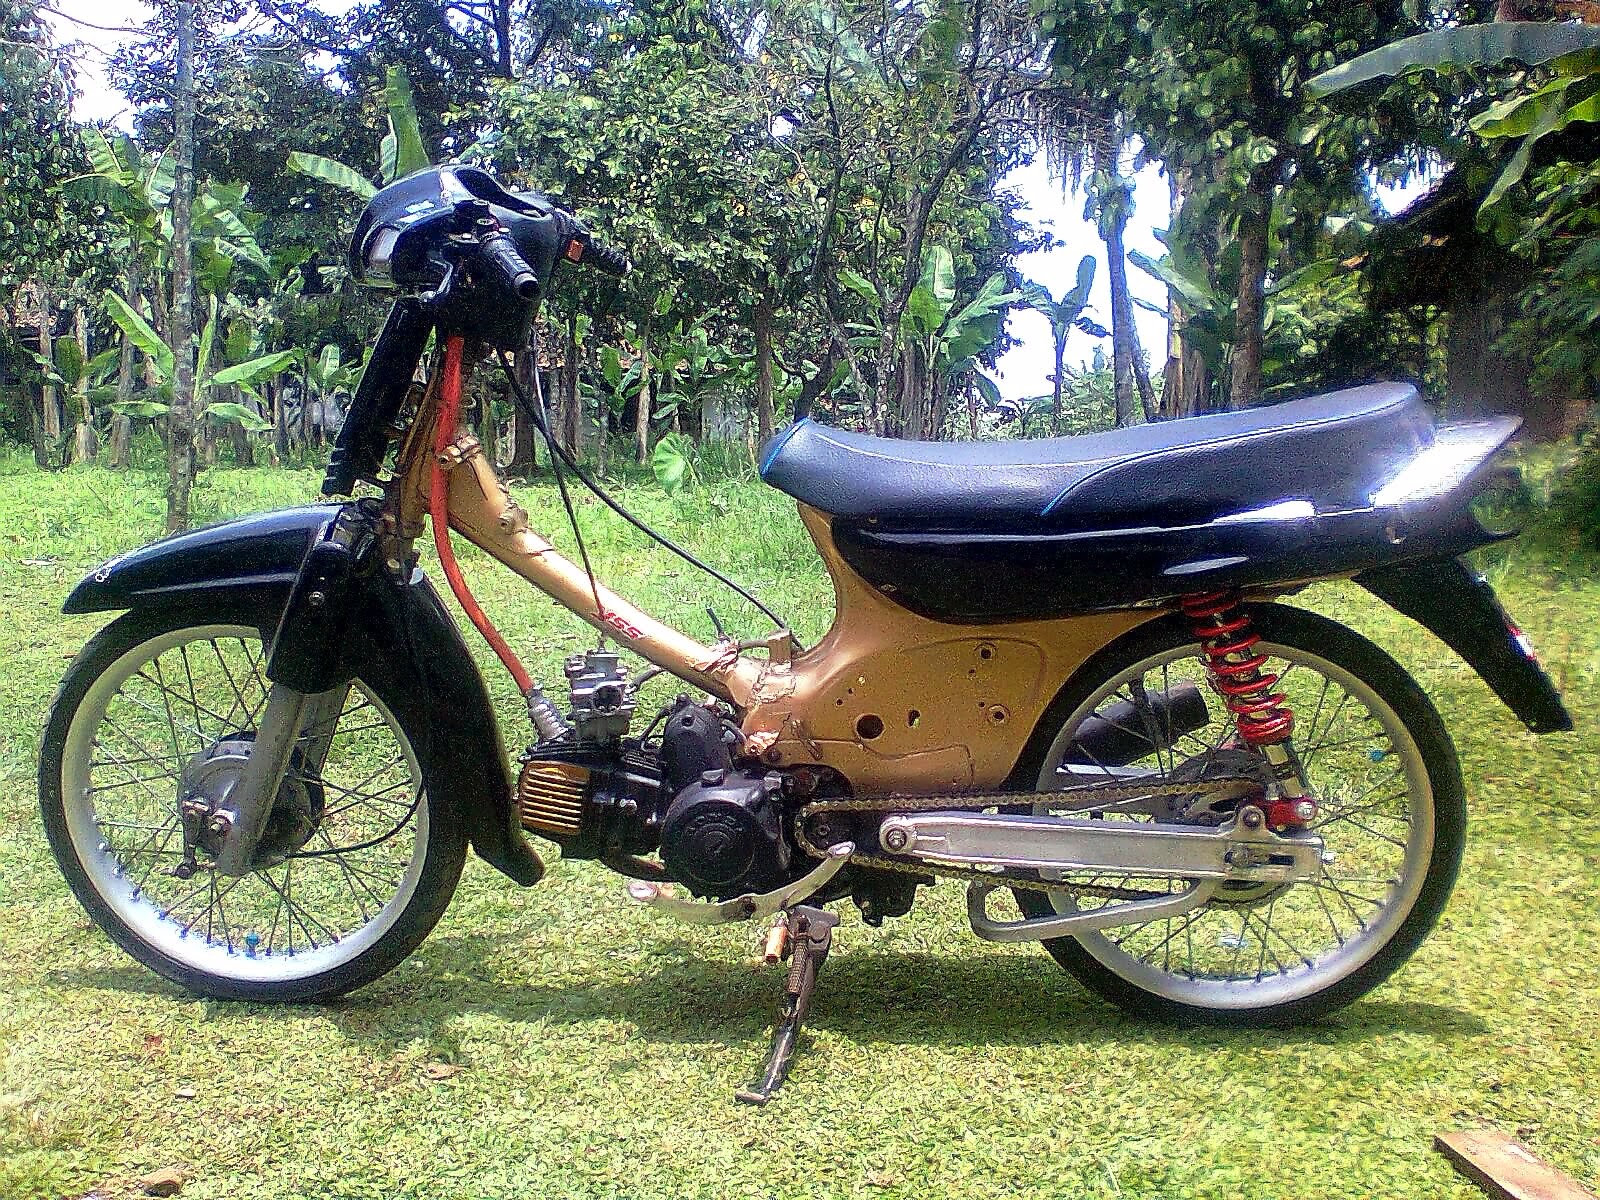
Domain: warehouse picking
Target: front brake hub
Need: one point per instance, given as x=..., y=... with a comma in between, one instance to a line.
x=207, y=784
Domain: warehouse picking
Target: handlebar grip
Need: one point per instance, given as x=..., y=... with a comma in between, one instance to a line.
x=500, y=254
x=606, y=258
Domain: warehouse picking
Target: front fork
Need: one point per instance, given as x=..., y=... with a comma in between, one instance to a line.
x=1264, y=720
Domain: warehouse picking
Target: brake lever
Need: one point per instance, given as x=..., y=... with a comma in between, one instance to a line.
x=435, y=296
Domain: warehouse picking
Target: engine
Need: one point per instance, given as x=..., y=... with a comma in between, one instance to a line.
x=719, y=828
x=723, y=835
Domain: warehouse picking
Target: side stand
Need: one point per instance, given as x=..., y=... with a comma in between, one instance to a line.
x=806, y=936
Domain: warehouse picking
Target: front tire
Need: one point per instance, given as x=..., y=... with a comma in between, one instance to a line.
x=1357, y=711
x=156, y=705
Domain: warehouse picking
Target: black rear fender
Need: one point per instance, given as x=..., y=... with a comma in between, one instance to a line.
x=341, y=607
x=1458, y=606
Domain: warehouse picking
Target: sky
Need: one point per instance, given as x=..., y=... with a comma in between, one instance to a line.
x=1022, y=371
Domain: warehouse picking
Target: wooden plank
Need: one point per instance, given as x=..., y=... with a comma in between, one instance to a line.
x=1505, y=1168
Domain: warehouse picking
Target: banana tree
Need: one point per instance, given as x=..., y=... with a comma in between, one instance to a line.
x=244, y=375
x=1208, y=306
x=136, y=189
x=623, y=381
x=944, y=340
x=68, y=369
x=326, y=376
x=688, y=363
x=399, y=153
x=1064, y=315
x=1572, y=96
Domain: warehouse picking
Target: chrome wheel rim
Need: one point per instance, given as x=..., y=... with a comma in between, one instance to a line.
x=1279, y=945
x=155, y=714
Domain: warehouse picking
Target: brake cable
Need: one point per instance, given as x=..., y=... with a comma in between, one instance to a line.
x=560, y=454
x=543, y=425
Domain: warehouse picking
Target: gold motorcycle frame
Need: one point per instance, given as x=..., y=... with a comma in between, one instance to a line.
x=893, y=701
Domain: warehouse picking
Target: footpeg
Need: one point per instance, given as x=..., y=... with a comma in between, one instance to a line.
x=807, y=936
x=750, y=907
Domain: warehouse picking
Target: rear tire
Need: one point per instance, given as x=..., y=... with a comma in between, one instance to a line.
x=1437, y=812
x=132, y=894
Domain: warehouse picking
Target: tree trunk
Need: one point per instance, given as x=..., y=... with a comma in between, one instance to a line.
x=488, y=427
x=913, y=393
x=524, y=456
x=1058, y=383
x=280, y=422
x=1250, y=312
x=940, y=406
x=41, y=448
x=86, y=440
x=49, y=402
x=811, y=389
x=763, y=332
x=244, y=445
x=121, y=442
x=882, y=420
x=1126, y=360
x=122, y=425
x=305, y=406
x=1172, y=375
x=573, y=409
x=641, y=426
x=180, y=418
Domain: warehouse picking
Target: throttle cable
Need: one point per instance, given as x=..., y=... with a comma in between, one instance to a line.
x=559, y=454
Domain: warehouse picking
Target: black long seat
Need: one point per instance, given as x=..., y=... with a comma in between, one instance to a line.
x=1333, y=449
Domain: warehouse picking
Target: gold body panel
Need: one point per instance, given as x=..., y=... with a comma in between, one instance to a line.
x=892, y=701
x=896, y=702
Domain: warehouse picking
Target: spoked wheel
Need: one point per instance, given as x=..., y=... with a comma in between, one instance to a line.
x=355, y=867
x=1391, y=814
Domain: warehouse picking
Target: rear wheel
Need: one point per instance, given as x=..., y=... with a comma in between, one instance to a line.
x=357, y=863
x=1391, y=813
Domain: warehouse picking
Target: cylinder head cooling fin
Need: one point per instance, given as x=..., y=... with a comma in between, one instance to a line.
x=551, y=795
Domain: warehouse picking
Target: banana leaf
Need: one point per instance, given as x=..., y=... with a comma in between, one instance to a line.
x=315, y=166
x=1532, y=43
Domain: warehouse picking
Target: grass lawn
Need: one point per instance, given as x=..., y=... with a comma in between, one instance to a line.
x=555, y=1041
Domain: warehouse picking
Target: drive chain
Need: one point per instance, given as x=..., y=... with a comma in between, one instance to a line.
x=1096, y=796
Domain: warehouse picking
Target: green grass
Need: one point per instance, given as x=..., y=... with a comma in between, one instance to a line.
x=598, y=1046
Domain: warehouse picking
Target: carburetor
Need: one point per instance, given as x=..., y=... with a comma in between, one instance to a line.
x=602, y=703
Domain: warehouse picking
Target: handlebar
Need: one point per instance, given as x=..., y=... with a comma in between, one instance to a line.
x=602, y=257
x=499, y=253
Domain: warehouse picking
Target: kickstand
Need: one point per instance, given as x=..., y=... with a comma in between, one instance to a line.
x=809, y=938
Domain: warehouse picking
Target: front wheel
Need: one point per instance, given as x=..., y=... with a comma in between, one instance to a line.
x=357, y=862
x=1392, y=817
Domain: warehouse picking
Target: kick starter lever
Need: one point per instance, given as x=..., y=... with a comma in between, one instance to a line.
x=810, y=937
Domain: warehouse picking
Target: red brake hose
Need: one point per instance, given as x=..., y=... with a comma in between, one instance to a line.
x=439, y=505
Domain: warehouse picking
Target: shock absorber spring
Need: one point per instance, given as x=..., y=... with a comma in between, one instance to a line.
x=1263, y=716
x=1222, y=624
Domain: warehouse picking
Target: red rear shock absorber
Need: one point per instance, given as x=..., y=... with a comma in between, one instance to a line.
x=1263, y=717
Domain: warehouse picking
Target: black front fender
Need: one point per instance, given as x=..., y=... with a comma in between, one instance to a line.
x=254, y=557
x=400, y=623
x=1458, y=606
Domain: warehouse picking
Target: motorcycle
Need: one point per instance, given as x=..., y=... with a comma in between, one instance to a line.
x=1059, y=670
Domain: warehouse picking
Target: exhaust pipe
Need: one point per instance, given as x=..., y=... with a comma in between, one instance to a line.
x=1123, y=733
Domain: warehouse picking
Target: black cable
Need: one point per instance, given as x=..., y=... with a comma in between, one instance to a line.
x=559, y=453
x=542, y=423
